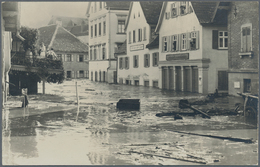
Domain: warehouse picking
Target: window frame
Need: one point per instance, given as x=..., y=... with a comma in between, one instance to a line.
x=134, y=36
x=136, y=61
x=147, y=60
x=91, y=31
x=155, y=55
x=81, y=56
x=223, y=37
x=174, y=38
x=69, y=57
x=95, y=31
x=104, y=27
x=144, y=34
x=139, y=35
x=173, y=6
x=129, y=37
x=121, y=63
x=126, y=63
x=246, y=26
x=165, y=44
x=120, y=27
x=183, y=42
x=99, y=29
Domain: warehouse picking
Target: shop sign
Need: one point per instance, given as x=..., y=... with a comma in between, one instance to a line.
x=137, y=47
x=181, y=56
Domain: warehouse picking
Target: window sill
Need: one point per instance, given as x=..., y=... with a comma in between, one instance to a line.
x=222, y=48
x=121, y=33
x=249, y=54
x=155, y=65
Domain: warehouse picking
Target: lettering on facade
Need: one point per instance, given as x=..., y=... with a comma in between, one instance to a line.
x=181, y=56
x=137, y=47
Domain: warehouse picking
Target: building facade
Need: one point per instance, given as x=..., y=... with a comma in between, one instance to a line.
x=10, y=22
x=68, y=48
x=107, y=34
x=243, y=55
x=139, y=65
x=193, y=46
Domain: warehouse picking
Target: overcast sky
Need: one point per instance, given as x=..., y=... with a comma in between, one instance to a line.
x=38, y=14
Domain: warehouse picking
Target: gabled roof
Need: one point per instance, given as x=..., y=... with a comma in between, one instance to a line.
x=60, y=39
x=151, y=10
x=122, y=49
x=113, y=5
x=79, y=30
x=154, y=43
x=206, y=12
x=68, y=21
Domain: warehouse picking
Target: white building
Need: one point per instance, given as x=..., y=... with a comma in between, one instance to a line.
x=107, y=33
x=139, y=65
x=193, y=46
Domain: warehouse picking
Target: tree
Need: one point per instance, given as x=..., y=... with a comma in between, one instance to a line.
x=30, y=35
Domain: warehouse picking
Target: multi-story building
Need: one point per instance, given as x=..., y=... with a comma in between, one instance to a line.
x=68, y=48
x=107, y=32
x=243, y=53
x=10, y=22
x=138, y=65
x=193, y=46
x=77, y=26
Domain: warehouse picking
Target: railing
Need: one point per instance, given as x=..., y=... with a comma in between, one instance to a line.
x=22, y=59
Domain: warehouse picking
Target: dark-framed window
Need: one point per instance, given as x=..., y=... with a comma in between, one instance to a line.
x=155, y=59
x=81, y=58
x=121, y=26
x=136, y=61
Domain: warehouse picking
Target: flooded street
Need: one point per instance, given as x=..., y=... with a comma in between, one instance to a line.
x=99, y=134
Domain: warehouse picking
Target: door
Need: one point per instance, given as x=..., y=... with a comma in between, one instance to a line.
x=178, y=78
x=187, y=79
x=115, y=77
x=195, y=79
x=170, y=78
x=222, y=81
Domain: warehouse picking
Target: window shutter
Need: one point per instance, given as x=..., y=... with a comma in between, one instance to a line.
x=144, y=60
x=197, y=39
x=168, y=43
x=188, y=38
x=137, y=61
x=179, y=41
x=249, y=39
x=162, y=44
x=72, y=57
x=72, y=74
x=148, y=60
x=214, y=39
x=77, y=74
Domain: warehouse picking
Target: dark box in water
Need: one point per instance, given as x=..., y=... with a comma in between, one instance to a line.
x=128, y=104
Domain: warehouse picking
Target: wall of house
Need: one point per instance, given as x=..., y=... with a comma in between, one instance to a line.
x=178, y=25
x=75, y=65
x=243, y=66
x=110, y=39
x=218, y=57
x=140, y=73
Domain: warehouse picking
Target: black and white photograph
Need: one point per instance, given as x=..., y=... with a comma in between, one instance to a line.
x=130, y=82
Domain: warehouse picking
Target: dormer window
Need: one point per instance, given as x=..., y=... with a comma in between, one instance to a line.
x=138, y=14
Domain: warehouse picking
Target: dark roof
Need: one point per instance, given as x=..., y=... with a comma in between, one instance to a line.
x=205, y=11
x=118, y=5
x=154, y=43
x=68, y=21
x=151, y=10
x=122, y=49
x=45, y=34
x=221, y=17
x=60, y=39
x=79, y=30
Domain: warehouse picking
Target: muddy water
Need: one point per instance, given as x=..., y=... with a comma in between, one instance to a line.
x=99, y=134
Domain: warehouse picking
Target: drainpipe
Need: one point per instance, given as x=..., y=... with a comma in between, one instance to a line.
x=109, y=57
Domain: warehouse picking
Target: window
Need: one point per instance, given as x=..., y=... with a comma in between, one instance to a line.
x=155, y=59
x=144, y=33
x=247, y=85
x=223, y=40
x=95, y=6
x=174, y=43
x=81, y=58
x=136, y=82
x=95, y=30
x=99, y=28
x=95, y=53
x=246, y=41
x=121, y=63
x=147, y=60
x=68, y=74
x=183, y=7
x=104, y=27
x=90, y=53
x=91, y=76
x=133, y=36
x=155, y=84
x=146, y=83
x=165, y=44
x=68, y=57
x=183, y=41
x=104, y=52
x=126, y=63
x=81, y=74
x=91, y=9
x=173, y=10
x=129, y=37
x=136, y=57
x=121, y=26
x=193, y=40
x=91, y=31
x=59, y=56
x=139, y=35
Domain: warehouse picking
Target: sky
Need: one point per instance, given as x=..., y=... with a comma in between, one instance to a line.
x=38, y=14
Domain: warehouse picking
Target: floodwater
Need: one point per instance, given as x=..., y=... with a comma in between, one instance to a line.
x=99, y=134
